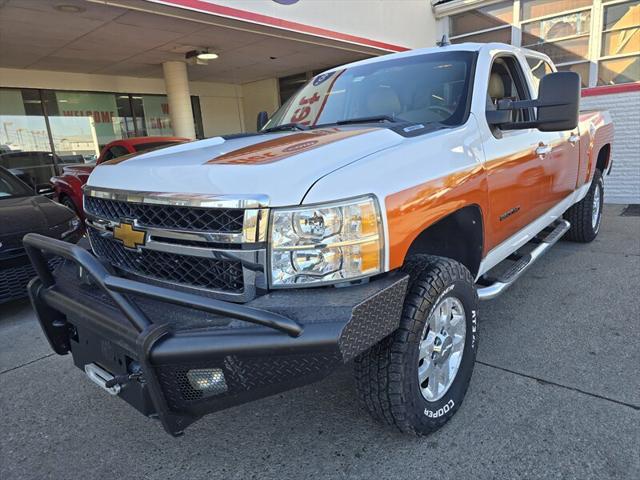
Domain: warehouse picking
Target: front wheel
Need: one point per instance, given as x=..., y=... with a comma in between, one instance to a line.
x=586, y=215
x=416, y=378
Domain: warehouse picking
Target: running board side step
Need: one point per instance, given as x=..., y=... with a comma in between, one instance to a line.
x=490, y=292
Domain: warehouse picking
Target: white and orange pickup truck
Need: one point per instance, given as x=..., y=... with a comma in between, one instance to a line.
x=361, y=224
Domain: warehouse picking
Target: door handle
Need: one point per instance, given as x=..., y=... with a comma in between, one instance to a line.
x=543, y=150
x=574, y=139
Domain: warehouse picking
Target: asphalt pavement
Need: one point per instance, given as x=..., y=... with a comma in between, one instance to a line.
x=555, y=394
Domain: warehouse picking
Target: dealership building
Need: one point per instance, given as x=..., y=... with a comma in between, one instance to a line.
x=76, y=75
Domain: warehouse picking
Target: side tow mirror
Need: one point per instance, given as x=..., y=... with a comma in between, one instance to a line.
x=557, y=105
x=559, y=102
x=263, y=118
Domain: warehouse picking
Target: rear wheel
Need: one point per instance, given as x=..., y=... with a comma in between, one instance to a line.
x=416, y=378
x=586, y=215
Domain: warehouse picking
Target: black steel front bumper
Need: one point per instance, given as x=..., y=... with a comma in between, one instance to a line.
x=164, y=337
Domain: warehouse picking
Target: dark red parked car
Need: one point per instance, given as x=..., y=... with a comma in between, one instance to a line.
x=68, y=186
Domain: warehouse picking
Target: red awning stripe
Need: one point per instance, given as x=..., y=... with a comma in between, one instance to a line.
x=611, y=89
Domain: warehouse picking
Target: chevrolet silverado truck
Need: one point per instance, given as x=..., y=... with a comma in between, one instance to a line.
x=361, y=224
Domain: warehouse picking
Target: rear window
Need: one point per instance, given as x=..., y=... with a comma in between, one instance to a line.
x=143, y=147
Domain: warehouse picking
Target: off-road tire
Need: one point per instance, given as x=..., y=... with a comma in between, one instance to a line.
x=580, y=215
x=387, y=374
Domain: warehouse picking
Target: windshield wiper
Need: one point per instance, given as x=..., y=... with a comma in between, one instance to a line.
x=371, y=119
x=286, y=126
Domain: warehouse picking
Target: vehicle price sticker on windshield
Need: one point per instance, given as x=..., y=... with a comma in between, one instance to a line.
x=312, y=99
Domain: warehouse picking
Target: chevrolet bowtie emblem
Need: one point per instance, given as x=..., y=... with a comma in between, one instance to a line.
x=129, y=236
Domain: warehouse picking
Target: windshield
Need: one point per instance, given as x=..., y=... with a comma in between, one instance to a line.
x=429, y=88
x=10, y=186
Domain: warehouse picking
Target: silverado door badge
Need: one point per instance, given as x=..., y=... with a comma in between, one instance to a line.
x=129, y=235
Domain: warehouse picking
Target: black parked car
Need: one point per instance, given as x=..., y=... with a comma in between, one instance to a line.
x=21, y=212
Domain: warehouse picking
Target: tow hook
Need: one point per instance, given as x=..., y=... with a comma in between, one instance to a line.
x=108, y=382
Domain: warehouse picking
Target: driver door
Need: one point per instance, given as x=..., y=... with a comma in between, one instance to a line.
x=516, y=177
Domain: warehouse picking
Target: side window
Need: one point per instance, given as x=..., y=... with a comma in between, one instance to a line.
x=114, y=152
x=507, y=81
x=118, y=151
x=539, y=68
x=107, y=156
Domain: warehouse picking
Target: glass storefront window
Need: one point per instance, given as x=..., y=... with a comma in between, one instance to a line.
x=25, y=148
x=197, y=117
x=572, y=50
x=620, y=44
x=42, y=130
x=621, y=15
x=570, y=25
x=156, y=115
x=563, y=29
x=539, y=68
x=22, y=123
x=502, y=35
x=138, y=112
x=619, y=70
x=125, y=113
x=621, y=29
x=99, y=118
x=290, y=85
x=484, y=18
x=540, y=8
x=581, y=69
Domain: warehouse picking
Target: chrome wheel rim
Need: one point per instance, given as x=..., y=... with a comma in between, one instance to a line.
x=595, y=211
x=441, y=348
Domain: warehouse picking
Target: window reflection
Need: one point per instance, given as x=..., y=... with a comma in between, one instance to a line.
x=621, y=70
x=558, y=27
x=491, y=16
x=540, y=8
x=581, y=69
x=25, y=148
x=156, y=120
x=562, y=30
x=620, y=44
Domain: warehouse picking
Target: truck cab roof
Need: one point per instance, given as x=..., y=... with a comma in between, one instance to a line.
x=467, y=46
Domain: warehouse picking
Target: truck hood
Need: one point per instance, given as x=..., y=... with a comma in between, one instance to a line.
x=282, y=166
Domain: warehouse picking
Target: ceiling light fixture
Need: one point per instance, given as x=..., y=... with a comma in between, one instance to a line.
x=201, y=56
x=207, y=55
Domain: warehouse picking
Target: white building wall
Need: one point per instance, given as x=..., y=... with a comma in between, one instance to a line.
x=406, y=23
x=623, y=185
x=257, y=97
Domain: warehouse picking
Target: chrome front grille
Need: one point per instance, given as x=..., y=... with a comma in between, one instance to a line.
x=212, y=243
x=223, y=220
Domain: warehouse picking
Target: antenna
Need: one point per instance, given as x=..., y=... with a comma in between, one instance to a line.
x=444, y=41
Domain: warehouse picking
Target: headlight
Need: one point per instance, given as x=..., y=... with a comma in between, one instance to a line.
x=325, y=243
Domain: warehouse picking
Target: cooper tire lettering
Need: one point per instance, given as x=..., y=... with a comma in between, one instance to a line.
x=441, y=411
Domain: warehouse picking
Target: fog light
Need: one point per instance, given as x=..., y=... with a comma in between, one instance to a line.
x=209, y=380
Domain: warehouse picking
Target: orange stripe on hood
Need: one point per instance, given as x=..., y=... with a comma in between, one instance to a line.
x=285, y=146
